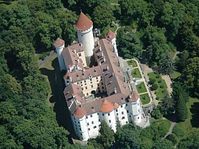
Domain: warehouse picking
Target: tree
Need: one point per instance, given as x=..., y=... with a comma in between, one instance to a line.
x=103, y=15
x=163, y=144
x=166, y=65
x=137, y=11
x=9, y=88
x=172, y=17
x=180, y=96
x=156, y=49
x=181, y=109
x=107, y=135
x=129, y=43
x=156, y=113
x=127, y=137
x=7, y=140
x=7, y=112
x=190, y=142
x=167, y=105
x=191, y=75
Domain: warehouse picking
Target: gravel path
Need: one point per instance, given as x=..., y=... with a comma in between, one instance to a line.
x=170, y=129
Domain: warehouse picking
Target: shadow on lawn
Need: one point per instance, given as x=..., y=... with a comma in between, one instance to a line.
x=195, y=114
x=55, y=78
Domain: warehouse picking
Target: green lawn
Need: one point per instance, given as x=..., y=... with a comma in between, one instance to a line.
x=141, y=88
x=145, y=98
x=161, y=91
x=175, y=74
x=136, y=73
x=132, y=63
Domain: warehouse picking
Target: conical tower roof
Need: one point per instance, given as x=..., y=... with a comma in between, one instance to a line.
x=83, y=23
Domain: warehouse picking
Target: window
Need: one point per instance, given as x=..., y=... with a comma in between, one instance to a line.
x=87, y=124
x=108, y=114
x=123, y=117
x=92, y=122
x=95, y=127
x=109, y=121
x=116, y=110
x=88, y=129
x=85, y=87
x=79, y=54
x=91, y=86
x=127, y=111
x=90, y=79
x=91, y=116
x=103, y=114
x=86, y=117
x=122, y=112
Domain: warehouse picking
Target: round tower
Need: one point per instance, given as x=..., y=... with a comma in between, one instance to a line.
x=59, y=45
x=80, y=125
x=84, y=28
x=111, y=36
x=108, y=114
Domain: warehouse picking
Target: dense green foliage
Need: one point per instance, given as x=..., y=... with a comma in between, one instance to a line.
x=26, y=119
x=163, y=34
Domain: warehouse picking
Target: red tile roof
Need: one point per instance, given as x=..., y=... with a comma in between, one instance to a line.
x=107, y=106
x=83, y=22
x=79, y=112
x=58, y=42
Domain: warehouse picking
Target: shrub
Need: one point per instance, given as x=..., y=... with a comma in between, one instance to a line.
x=152, y=81
x=154, y=86
x=156, y=113
x=173, y=138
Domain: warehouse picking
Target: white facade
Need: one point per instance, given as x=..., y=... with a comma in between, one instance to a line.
x=60, y=57
x=113, y=41
x=88, y=127
x=86, y=38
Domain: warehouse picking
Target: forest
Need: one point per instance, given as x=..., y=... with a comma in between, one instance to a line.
x=163, y=34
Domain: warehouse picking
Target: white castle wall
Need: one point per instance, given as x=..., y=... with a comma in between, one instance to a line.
x=110, y=119
x=87, y=39
x=89, y=126
x=60, y=57
x=80, y=127
x=93, y=125
x=122, y=115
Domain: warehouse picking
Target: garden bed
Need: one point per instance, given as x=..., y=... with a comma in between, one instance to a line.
x=141, y=88
x=158, y=85
x=145, y=98
x=132, y=63
x=136, y=73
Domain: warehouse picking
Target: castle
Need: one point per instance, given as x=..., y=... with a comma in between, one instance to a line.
x=96, y=89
